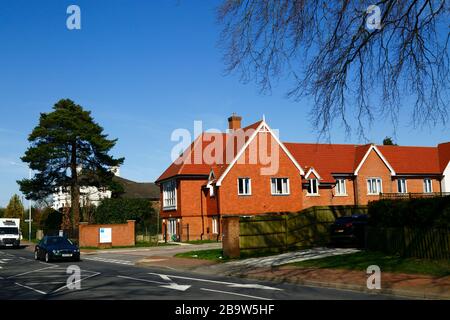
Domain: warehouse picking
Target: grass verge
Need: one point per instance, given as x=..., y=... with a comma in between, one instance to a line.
x=217, y=255
x=387, y=263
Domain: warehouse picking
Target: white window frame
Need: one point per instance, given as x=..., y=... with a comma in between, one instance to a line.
x=171, y=227
x=215, y=225
x=425, y=185
x=285, y=189
x=380, y=185
x=400, y=186
x=170, y=195
x=310, y=187
x=245, y=192
x=341, y=187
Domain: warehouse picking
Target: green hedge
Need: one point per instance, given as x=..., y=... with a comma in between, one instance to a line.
x=120, y=210
x=413, y=213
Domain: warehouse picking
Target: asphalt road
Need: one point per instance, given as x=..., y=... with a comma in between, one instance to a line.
x=106, y=277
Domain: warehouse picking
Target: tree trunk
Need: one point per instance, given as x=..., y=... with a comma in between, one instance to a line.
x=75, y=188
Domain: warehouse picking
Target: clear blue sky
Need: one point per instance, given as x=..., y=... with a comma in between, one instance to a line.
x=144, y=68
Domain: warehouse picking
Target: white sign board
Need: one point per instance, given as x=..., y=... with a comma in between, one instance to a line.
x=105, y=235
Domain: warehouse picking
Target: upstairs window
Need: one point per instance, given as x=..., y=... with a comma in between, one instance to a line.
x=279, y=186
x=170, y=195
x=313, y=187
x=244, y=186
x=401, y=186
x=341, y=188
x=374, y=186
x=427, y=186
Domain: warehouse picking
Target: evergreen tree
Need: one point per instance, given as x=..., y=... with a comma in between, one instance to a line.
x=15, y=208
x=68, y=150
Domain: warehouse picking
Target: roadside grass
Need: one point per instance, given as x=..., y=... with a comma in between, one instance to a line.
x=212, y=254
x=138, y=245
x=217, y=255
x=387, y=263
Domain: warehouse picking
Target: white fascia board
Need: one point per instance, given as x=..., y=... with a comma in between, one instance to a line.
x=374, y=148
x=312, y=170
x=239, y=154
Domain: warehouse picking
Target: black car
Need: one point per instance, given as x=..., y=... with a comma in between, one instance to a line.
x=56, y=248
x=349, y=230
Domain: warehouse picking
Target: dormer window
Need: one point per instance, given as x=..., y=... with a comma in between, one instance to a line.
x=313, y=187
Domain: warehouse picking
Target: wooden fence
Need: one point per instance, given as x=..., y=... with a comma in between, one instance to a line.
x=407, y=242
x=286, y=231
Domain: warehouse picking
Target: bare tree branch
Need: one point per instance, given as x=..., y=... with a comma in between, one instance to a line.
x=353, y=74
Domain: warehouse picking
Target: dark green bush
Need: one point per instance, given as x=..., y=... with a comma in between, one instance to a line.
x=120, y=210
x=414, y=213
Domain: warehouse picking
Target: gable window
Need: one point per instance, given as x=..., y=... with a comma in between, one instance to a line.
x=244, y=186
x=313, y=187
x=401, y=186
x=170, y=195
x=427, y=186
x=341, y=188
x=279, y=186
x=374, y=186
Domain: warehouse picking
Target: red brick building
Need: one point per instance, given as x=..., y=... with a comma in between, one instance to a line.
x=248, y=171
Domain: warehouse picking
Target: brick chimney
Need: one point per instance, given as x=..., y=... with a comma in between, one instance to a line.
x=234, y=122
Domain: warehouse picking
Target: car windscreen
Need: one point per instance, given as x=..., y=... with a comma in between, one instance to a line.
x=58, y=241
x=9, y=230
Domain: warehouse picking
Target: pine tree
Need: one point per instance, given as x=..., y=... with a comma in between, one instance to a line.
x=68, y=150
x=15, y=208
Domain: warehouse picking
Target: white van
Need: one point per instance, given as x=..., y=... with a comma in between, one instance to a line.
x=10, y=232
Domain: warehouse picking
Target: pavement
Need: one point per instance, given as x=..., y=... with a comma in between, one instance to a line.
x=119, y=275
x=275, y=268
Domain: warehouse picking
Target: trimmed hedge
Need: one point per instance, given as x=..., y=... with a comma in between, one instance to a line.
x=413, y=213
x=120, y=210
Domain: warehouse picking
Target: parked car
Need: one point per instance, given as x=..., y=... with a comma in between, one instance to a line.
x=349, y=230
x=56, y=248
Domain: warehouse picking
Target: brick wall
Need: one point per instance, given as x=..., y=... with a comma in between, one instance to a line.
x=121, y=234
x=373, y=167
x=327, y=196
x=261, y=200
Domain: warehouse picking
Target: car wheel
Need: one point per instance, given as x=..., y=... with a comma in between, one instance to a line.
x=47, y=257
x=36, y=255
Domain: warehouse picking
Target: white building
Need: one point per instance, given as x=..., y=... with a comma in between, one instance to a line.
x=94, y=196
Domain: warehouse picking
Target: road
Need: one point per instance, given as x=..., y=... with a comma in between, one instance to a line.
x=105, y=277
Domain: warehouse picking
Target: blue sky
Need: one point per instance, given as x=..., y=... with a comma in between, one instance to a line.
x=144, y=68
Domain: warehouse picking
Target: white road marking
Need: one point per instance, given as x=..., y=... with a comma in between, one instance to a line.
x=24, y=273
x=72, y=283
x=38, y=291
x=231, y=284
x=236, y=294
x=50, y=282
x=171, y=285
x=144, y=280
x=126, y=262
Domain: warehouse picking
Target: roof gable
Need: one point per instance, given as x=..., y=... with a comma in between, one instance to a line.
x=262, y=127
x=374, y=149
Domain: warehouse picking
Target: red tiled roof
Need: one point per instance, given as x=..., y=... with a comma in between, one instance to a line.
x=444, y=155
x=191, y=164
x=412, y=160
x=326, y=159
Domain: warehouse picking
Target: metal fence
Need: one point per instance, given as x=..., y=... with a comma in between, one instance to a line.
x=407, y=242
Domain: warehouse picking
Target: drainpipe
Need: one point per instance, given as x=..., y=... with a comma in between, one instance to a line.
x=355, y=188
x=201, y=212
